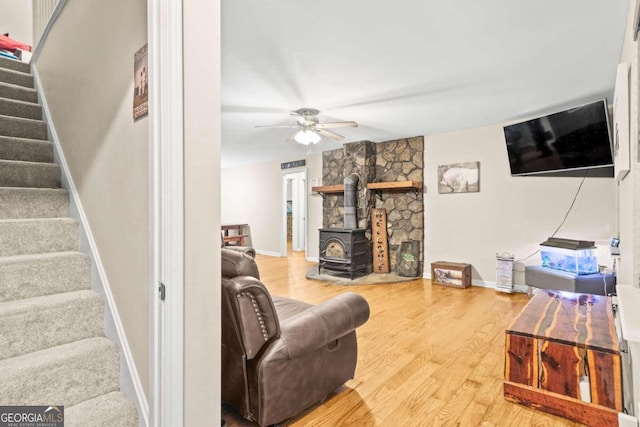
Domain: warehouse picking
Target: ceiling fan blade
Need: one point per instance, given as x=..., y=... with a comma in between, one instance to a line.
x=351, y=124
x=277, y=126
x=330, y=134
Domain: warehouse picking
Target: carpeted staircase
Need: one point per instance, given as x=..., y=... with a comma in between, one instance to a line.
x=52, y=345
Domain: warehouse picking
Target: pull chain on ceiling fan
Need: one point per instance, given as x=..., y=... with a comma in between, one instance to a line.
x=310, y=129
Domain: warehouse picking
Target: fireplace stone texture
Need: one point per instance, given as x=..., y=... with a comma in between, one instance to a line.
x=389, y=161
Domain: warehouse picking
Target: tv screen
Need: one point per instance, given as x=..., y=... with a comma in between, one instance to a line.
x=573, y=139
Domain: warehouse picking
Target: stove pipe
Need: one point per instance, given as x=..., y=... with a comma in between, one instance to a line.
x=350, y=201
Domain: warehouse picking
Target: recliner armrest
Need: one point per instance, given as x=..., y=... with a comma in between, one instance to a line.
x=324, y=323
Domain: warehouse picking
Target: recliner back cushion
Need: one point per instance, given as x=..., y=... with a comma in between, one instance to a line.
x=236, y=264
x=248, y=310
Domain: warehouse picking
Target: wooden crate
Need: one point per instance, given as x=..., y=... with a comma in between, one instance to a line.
x=455, y=274
x=555, y=341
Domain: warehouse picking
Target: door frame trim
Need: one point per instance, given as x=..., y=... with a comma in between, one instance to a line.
x=166, y=211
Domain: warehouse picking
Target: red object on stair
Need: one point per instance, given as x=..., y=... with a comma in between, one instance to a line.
x=7, y=43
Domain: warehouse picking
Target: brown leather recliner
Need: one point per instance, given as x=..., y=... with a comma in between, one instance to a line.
x=281, y=356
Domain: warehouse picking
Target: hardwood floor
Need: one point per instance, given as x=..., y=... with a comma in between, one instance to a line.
x=428, y=356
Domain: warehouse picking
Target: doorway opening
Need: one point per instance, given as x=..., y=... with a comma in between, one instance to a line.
x=294, y=219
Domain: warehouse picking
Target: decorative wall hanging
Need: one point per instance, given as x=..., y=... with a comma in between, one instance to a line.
x=459, y=178
x=140, y=83
x=621, y=163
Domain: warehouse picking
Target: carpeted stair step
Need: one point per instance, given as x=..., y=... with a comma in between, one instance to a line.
x=35, y=236
x=12, y=64
x=18, y=92
x=20, y=202
x=109, y=410
x=29, y=174
x=16, y=108
x=64, y=375
x=39, y=323
x=16, y=77
x=23, y=128
x=28, y=276
x=26, y=150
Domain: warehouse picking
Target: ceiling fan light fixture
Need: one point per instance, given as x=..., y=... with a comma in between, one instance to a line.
x=306, y=137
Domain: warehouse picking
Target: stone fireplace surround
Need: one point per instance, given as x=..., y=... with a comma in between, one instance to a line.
x=389, y=161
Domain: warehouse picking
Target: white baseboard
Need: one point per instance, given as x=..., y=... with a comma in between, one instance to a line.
x=313, y=259
x=269, y=253
x=130, y=382
x=483, y=283
x=492, y=285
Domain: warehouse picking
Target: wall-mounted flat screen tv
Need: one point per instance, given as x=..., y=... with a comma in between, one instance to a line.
x=577, y=138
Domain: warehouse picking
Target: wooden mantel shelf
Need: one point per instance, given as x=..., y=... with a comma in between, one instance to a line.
x=396, y=185
x=339, y=188
x=379, y=186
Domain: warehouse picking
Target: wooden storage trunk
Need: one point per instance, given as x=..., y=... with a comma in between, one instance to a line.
x=454, y=274
x=562, y=349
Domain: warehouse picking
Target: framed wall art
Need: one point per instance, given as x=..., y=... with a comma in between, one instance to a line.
x=140, y=83
x=459, y=178
x=621, y=133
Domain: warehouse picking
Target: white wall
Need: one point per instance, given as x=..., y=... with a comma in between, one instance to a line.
x=202, y=313
x=314, y=205
x=252, y=195
x=90, y=95
x=629, y=189
x=16, y=19
x=629, y=204
x=509, y=214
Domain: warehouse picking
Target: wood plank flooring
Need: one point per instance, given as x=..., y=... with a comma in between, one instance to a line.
x=428, y=356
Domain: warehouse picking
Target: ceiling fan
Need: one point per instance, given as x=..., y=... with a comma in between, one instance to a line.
x=310, y=129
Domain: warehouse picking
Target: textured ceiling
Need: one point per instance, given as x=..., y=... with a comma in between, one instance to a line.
x=407, y=67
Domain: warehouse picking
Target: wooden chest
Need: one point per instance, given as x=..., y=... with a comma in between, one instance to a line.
x=454, y=274
x=562, y=357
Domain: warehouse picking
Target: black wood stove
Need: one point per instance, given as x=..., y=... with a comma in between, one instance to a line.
x=343, y=250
